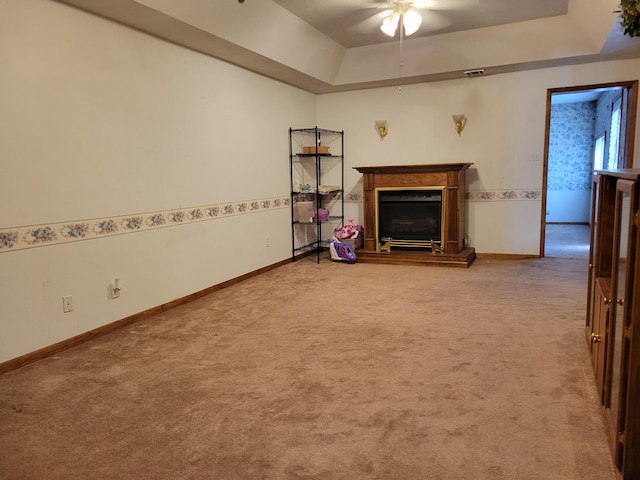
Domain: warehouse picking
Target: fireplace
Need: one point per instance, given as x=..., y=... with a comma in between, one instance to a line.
x=414, y=215
x=410, y=218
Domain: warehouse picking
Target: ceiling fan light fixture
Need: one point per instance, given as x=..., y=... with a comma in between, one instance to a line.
x=390, y=24
x=411, y=21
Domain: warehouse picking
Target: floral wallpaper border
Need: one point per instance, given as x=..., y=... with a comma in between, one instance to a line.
x=19, y=238
x=501, y=195
x=481, y=195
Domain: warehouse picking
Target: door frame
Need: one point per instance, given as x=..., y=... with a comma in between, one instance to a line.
x=628, y=145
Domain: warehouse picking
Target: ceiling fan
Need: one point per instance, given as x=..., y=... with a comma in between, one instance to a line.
x=402, y=10
x=404, y=13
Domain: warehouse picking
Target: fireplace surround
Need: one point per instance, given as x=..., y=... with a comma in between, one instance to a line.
x=414, y=215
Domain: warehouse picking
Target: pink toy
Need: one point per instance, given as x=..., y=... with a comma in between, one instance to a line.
x=351, y=230
x=323, y=214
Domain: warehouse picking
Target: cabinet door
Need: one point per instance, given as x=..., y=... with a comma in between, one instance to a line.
x=617, y=377
x=591, y=278
x=629, y=441
x=602, y=219
x=601, y=304
x=612, y=393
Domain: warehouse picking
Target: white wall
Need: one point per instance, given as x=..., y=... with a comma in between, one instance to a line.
x=504, y=138
x=568, y=206
x=99, y=120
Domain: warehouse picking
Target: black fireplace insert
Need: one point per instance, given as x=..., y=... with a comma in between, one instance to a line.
x=410, y=215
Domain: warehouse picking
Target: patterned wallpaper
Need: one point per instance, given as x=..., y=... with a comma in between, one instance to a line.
x=603, y=113
x=480, y=195
x=571, y=138
x=19, y=238
x=32, y=236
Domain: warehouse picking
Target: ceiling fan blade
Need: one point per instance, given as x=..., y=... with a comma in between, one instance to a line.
x=445, y=4
x=369, y=24
x=433, y=21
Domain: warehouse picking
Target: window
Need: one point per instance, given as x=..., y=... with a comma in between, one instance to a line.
x=614, y=141
x=598, y=154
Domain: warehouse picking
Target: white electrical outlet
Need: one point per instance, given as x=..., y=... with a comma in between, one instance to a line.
x=67, y=304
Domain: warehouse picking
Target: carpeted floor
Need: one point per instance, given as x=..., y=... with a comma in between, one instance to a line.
x=567, y=240
x=327, y=371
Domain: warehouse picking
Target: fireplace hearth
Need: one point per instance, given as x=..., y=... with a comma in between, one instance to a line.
x=414, y=215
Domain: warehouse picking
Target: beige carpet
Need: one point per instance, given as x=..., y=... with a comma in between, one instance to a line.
x=327, y=371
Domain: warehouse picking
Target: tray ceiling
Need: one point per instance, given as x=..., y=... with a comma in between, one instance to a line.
x=336, y=45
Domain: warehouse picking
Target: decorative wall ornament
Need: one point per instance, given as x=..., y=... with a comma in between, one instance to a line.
x=382, y=127
x=19, y=238
x=459, y=122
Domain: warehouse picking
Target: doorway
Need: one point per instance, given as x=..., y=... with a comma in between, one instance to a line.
x=587, y=128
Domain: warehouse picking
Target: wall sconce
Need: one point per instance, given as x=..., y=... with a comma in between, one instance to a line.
x=382, y=127
x=459, y=121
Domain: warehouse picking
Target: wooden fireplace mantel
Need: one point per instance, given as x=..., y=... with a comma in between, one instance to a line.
x=448, y=176
x=429, y=168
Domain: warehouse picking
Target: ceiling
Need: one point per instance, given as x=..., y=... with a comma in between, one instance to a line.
x=336, y=45
x=579, y=96
x=354, y=23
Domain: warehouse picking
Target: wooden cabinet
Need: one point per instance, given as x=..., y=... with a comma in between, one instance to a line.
x=613, y=312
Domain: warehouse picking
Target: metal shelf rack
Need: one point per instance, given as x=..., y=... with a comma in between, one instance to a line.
x=309, y=174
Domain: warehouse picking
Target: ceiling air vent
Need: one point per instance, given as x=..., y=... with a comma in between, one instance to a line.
x=474, y=73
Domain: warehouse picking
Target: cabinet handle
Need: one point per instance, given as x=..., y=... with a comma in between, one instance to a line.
x=621, y=301
x=595, y=338
x=606, y=300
